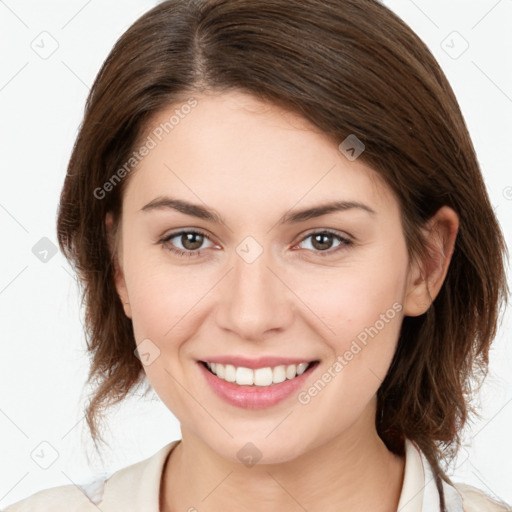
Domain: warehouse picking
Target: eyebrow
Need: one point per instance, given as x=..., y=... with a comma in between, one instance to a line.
x=202, y=212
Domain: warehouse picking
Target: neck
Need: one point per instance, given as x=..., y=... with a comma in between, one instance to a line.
x=354, y=472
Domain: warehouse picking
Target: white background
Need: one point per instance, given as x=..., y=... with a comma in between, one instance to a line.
x=43, y=365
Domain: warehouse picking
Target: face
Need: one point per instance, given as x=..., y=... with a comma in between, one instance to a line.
x=252, y=280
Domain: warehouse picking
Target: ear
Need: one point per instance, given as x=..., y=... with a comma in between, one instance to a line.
x=115, y=247
x=427, y=276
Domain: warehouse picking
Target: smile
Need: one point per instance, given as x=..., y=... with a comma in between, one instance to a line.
x=256, y=388
x=257, y=377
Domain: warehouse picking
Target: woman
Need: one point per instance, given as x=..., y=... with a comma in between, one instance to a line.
x=279, y=220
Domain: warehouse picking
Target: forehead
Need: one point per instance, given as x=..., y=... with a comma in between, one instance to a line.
x=232, y=150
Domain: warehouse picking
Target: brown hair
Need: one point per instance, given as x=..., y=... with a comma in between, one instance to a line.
x=349, y=67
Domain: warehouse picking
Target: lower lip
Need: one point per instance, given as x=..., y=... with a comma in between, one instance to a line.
x=254, y=397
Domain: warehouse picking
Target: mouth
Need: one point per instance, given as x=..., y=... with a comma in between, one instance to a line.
x=261, y=377
x=256, y=388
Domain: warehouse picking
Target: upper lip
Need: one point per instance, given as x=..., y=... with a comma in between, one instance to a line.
x=260, y=362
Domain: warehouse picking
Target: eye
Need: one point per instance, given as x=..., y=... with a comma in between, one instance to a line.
x=322, y=241
x=190, y=240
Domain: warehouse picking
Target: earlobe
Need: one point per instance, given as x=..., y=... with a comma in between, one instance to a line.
x=114, y=242
x=426, y=277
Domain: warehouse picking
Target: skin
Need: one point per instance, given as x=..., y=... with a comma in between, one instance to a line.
x=253, y=162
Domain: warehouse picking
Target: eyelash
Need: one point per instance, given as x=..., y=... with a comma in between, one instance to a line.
x=165, y=242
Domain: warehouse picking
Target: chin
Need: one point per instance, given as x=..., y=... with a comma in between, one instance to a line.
x=258, y=449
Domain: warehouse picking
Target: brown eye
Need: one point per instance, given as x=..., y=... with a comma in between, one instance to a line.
x=185, y=243
x=322, y=241
x=191, y=241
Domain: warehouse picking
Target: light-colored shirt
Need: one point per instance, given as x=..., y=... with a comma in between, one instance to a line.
x=136, y=488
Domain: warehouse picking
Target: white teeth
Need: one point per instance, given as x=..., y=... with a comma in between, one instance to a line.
x=301, y=368
x=221, y=370
x=230, y=373
x=259, y=377
x=279, y=374
x=244, y=376
x=262, y=376
x=291, y=371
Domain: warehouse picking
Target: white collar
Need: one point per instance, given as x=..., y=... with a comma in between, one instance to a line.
x=137, y=487
x=419, y=490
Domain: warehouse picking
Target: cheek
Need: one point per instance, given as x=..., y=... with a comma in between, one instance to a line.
x=354, y=298
x=163, y=296
x=364, y=313
x=360, y=307
x=165, y=300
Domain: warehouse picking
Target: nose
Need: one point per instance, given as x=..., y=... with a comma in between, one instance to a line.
x=254, y=298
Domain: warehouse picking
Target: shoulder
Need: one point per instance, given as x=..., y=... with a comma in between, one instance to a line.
x=136, y=483
x=64, y=498
x=475, y=500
